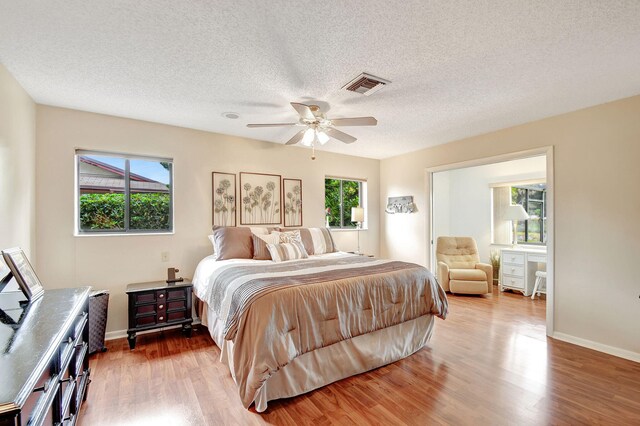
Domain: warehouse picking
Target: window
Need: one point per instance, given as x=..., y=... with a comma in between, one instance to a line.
x=533, y=199
x=339, y=196
x=123, y=194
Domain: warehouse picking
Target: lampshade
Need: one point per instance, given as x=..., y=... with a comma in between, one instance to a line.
x=357, y=214
x=516, y=212
x=309, y=135
x=322, y=137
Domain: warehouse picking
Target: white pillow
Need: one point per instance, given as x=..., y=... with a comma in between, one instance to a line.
x=213, y=243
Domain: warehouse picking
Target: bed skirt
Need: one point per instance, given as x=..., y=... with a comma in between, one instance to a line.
x=329, y=364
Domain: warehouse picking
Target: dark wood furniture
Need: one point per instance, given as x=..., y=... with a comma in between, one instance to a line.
x=44, y=368
x=157, y=304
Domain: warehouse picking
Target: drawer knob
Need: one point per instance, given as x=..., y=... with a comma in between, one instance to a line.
x=161, y=318
x=70, y=339
x=513, y=269
x=160, y=306
x=161, y=296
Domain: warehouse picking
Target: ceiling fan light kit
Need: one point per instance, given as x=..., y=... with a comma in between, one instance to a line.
x=318, y=128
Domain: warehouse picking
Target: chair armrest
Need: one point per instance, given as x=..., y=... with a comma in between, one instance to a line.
x=443, y=275
x=488, y=270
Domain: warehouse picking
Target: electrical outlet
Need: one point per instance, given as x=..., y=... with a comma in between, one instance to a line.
x=164, y=256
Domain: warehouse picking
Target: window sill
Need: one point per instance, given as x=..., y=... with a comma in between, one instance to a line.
x=121, y=234
x=347, y=229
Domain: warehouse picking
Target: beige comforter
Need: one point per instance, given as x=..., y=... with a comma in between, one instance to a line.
x=275, y=312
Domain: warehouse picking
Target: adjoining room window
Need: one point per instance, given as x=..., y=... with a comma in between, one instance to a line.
x=533, y=199
x=340, y=195
x=119, y=193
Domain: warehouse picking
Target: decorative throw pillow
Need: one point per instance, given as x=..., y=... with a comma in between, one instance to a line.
x=287, y=251
x=260, y=250
x=290, y=236
x=322, y=241
x=233, y=243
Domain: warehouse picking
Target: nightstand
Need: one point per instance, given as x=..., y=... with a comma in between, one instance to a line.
x=157, y=304
x=361, y=254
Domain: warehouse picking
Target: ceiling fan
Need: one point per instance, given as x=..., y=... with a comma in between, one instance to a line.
x=318, y=128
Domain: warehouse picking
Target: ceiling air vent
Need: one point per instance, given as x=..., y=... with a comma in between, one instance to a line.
x=366, y=84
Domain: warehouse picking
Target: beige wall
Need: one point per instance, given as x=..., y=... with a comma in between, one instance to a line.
x=17, y=166
x=597, y=213
x=111, y=262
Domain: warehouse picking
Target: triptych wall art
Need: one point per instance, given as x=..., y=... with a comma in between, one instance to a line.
x=261, y=199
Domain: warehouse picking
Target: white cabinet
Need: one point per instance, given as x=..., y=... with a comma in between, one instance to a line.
x=518, y=267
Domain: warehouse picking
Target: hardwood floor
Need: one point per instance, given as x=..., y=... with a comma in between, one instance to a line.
x=488, y=363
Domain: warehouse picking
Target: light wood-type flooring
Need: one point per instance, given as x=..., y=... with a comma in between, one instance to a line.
x=488, y=363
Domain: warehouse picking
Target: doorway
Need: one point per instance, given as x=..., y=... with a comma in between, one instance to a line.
x=466, y=199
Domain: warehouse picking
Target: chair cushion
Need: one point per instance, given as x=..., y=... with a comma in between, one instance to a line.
x=467, y=274
x=468, y=287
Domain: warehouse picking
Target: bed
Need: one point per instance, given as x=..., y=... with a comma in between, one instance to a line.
x=290, y=327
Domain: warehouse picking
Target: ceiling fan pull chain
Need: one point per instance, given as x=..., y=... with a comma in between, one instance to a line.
x=313, y=152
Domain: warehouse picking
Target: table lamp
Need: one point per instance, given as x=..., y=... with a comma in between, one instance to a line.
x=514, y=213
x=357, y=215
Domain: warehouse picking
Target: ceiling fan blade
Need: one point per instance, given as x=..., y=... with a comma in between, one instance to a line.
x=296, y=138
x=355, y=121
x=341, y=136
x=272, y=125
x=304, y=111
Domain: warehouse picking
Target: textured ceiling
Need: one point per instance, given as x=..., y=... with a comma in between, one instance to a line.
x=458, y=68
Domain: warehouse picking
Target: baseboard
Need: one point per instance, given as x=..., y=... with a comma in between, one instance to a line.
x=119, y=334
x=611, y=350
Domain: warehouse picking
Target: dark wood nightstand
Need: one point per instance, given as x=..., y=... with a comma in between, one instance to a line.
x=157, y=304
x=361, y=254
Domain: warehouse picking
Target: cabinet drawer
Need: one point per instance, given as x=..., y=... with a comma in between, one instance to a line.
x=177, y=304
x=178, y=315
x=513, y=270
x=43, y=408
x=144, y=297
x=146, y=309
x=176, y=294
x=514, y=282
x=145, y=320
x=513, y=258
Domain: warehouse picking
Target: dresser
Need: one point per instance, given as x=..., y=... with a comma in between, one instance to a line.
x=518, y=267
x=44, y=368
x=156, y=305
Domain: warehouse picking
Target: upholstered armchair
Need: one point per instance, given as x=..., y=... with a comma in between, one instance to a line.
x=459, y=266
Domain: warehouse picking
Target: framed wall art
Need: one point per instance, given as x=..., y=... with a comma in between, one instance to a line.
x=23, y=272
x=224, y=199
x=260, y=198
x=292, y=202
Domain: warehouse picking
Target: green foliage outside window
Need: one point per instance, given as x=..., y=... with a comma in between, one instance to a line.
x=533, y=200
x=148, y=211
x=340, y=197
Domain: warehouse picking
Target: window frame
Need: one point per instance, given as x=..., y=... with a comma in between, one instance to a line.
x=361, y=202
x=543, y=209
x=127, y=195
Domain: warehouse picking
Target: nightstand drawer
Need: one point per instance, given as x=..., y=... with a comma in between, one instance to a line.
x=513, y=270
x=176, y=294
x=513, y=258
x=146, y=297
x=146, y=320
x=177, y=304
x=178, y=315
x=514, y=282
x=146, y=309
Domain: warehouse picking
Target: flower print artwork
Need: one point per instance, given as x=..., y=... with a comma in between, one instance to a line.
x=224, y=199
x=292, y=204
x=260, y=199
